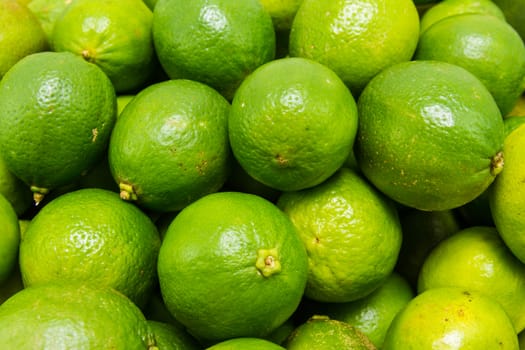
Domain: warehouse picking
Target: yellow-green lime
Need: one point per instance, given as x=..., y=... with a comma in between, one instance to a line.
x=169, y=337
x=92, y=236
x=351, y=232
x=430, y=135
x=323, y=333
x=476, y=259
x=512, y=123
x=231, y=265
x=114, y=35
x=170, y=145
x=9, y=239
x=422, y=231
x=282, y=12
x=20, y=34
x=519, y=108
x=507, y=195
x=43, y=91
x=451, y=318
x=374, y=313
x=14, y=189
x=217, y=42
x=244, y=344
x=357, y=39
x=486, y=46
x=47, y=12
x=292, y=123
x=449, y=8
x=73, y=316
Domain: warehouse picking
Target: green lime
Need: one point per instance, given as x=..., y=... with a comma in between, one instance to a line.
x=323, y=333
x=169, y=337
x=244, y=344
x=292, y=123
x=282, y=12
x=9, y=239
x=231, y=265
x=47, y=12
x=43, y=91
x=170, y=145
x=73, y=316
x=217, y=42
x=430, y=135
x=507, y=195
x=480, y=43
x=356, y=39
x=114, y=35
x=92, y=236
x=451, y=318
x=20, y=34
x=450, y=8
x=477, y=259
x=351, y=232
x=14, y=189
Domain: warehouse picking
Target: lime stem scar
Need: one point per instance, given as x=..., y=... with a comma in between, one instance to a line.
x=496, y=163
x=126, y=192
x=267, y=262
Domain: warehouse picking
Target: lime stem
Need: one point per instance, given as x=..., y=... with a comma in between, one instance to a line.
x=38, y=193
x=126, y=192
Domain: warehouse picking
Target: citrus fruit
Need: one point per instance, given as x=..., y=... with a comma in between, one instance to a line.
x=217, y=42
x=479, y=43
x=47, y=12
x=282, y=12
x=231, y=265
x=69, y=98
x=150, y=3
x=476, y=259
x=513, y=11
x=169, y=337
x=92, y=236
x=122, y=102
x=519, y=108
x=422, y=231
x=170, y=145
x=20, y=34
x=245, y=343
x=72, y=316
x=430, y=135
x=373, y=314
x=512, y=123
x=451, y=318
x=507, y=195
x=351, y=232
x=9, y=238
x=356, y=39
x=14, y=189
x=323, y=333
x=114, y=35
x=449, y=8
x=292, y=123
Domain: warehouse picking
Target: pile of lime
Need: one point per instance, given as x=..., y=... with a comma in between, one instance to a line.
x=262, y=174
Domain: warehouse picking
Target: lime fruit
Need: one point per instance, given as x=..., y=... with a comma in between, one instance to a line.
x=507, y=195
x=422, y=231
x=217, y=42
x=47, y=12
x=20, y=34
x=450, y=8
x=69, y=98
x=92, y=236
x=351, y=232
x=430, y=135
x=9, y=239
x=476, y=259
x=374, y=313
x=114, y=35
x=169, y=337
x=282, y=12
x=356, y=39
x=170, y=145
x=14, y=189
x=231, y=265
x=479, y=43
x=323, y=333
x=245, y=343
x=451, y=318
x=292, y=123
x=72, y=316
